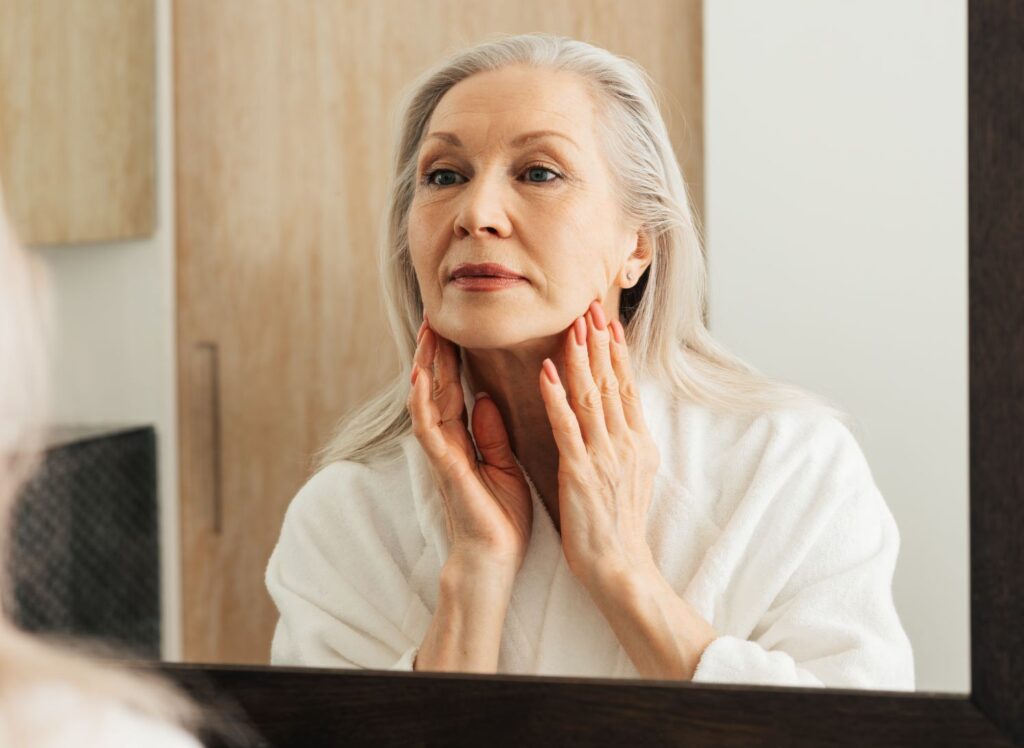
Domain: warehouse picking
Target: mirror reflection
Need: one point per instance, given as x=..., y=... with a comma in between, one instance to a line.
x=611, y=341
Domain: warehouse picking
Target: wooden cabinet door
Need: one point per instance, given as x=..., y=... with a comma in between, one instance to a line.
x=77, y=99
x=283, y=150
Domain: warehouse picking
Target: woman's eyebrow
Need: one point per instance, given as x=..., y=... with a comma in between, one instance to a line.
x=517, y=142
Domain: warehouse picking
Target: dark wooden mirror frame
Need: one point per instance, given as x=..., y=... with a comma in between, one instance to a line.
x=313, y=707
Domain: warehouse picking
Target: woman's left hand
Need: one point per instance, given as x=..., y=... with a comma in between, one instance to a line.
x=607, y=456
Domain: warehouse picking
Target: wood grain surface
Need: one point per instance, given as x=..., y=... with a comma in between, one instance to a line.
x=311, y=708
x=996, y=354
x=77, y=82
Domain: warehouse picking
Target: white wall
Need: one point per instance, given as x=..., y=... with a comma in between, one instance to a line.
x=113, y=360
x=836, y=224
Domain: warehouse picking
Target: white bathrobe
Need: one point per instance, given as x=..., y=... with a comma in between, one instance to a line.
x=770, y=526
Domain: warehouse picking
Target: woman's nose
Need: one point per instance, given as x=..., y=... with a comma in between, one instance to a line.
x=482, y=209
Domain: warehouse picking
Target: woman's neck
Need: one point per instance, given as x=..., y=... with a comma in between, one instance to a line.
x=512, y=379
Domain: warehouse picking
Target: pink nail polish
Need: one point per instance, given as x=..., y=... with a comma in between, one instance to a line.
x=550, y=371
x=617, y=331
x=581, y=331
x=597, y=313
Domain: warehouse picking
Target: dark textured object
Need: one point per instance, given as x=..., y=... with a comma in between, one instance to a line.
x=996, y=310
x=318, y=707
x=84, y=554
x=307, y=707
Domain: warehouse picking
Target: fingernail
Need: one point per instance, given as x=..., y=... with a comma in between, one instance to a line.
x=550, y=371
x=412, y=377
x=581, y=330
x=617, y=331
x=419, y=335
x=480, y=394
x=598, y=314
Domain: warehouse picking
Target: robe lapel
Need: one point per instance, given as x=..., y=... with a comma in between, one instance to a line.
x=551, y=609
x=553, y=626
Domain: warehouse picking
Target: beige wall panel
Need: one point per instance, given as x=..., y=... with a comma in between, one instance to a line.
x=77, y=103
x=283, y=150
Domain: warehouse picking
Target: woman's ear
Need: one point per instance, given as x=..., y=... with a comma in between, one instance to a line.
x=639, y=259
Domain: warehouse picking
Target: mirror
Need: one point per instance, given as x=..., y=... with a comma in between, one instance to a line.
x=199, y=370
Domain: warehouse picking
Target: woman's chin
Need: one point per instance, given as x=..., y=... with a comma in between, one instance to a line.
x=479, y=340
x=504, y=334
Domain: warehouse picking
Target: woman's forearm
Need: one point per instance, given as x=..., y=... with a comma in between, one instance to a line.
x=660, y=631
x=465, y=632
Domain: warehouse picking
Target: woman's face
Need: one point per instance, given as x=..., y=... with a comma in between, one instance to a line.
x=543, y=207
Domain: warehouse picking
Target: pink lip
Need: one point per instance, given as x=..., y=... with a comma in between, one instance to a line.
x=485, y=283
x=489, y=269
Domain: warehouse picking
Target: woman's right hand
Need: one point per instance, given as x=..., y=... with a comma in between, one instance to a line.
x=487, y=503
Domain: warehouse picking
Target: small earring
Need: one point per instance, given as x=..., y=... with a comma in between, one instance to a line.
x=629, y=276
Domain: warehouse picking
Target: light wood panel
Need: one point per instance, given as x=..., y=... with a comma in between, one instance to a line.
x=76, y=118
x=283, y=149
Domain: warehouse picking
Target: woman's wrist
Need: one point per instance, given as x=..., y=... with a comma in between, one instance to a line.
x=465, y=632
x=477, y=575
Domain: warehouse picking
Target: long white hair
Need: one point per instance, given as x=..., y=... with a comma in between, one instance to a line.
x=25, y=660
x=663, y=314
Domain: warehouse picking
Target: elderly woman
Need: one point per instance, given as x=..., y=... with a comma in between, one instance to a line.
x=573, y=478
x=53, y=696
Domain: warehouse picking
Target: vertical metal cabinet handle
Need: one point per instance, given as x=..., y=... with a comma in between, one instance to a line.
x=215, y=414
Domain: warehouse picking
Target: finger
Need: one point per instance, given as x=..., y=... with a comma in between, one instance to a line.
x=564, y=425
x=629, y=393
x=422, y=408
x=448, y=384
x=424, y=353
x=598, y=345
x=444, y=439
x=584, y=397
x=490, y=434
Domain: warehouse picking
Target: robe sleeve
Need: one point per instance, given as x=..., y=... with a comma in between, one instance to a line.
x=339, y=575
x=834, y=622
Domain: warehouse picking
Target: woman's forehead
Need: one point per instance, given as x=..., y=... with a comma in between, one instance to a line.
x=512, y=101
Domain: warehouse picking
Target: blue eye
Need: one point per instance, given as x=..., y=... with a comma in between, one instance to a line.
x=429, y=177
x=541, y=170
